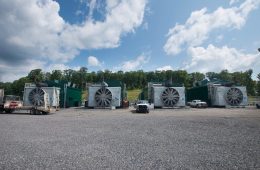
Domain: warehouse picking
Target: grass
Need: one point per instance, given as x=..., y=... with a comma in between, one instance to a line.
x=132, y=95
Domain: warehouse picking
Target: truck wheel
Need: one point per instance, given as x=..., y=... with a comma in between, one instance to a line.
x=44, y=113
x=9, y=110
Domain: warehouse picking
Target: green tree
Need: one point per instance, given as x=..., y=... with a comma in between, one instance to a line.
x=258, y=85
x=36, y=76
x=80, y=77
x=68, y=75
x=194, y=77
x=18, y=86
x=249, y=83
x=212, y=75
x=225, y=75
x=56, y=75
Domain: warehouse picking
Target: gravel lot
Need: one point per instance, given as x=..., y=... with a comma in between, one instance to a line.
x=80, y=138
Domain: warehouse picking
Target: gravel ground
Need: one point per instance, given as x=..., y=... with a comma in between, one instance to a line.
x=80, y=138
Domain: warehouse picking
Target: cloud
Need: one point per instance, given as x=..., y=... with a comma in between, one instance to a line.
x=233, y=2
x=121, y=19
x=34, y=30
x=201, y=23
x=8, y=73
x=165, y=68
x=93, y=61
x=216, y=59
x=134, y=64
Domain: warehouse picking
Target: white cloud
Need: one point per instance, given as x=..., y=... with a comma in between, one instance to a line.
x=201, y=23
x=8, y=73
x=134, y=64
x=219, y=38
x=92, y=5
x=233, y=2
x=165, y=68
x=34, y=30
x=120, y=19
x=216, y=59
x=93, y=61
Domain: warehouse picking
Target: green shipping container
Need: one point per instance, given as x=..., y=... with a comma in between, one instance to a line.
x=198, y=93
x=69, y=96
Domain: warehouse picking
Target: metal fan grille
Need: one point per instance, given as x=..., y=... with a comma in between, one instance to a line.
x=234, y=96
x=170, y=96
x=36, y=97
x=103, y=97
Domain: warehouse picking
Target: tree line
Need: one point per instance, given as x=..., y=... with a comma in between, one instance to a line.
x=133, y=79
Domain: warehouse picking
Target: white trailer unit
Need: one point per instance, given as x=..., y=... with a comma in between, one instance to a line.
x=228, y=96
x=168, y=96
x=103, y=96
x=41, y=99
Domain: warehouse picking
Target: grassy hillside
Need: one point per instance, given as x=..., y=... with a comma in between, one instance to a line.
x=133, y=94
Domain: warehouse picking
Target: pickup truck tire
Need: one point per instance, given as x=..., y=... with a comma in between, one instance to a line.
x=9, y=110
x=44, y=113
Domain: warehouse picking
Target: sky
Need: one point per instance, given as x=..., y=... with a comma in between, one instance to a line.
x=128, y=35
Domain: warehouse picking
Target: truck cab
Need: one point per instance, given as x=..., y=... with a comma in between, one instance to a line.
x=10, y=103
x=198, y=104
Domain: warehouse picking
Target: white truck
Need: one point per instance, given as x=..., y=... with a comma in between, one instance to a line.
x=142, y=106
x=198, y=104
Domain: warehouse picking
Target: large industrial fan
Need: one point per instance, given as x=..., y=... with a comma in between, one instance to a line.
x=40, y=99
x=228, y=96
x=163, y=96
x=170, y=97
x=234, y=96
x=103, y=97
x=36, y=97
x=100, y=95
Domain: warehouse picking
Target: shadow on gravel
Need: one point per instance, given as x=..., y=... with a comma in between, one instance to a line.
x=25, y=113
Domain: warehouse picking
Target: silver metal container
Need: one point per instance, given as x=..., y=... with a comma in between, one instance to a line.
x=102, y=96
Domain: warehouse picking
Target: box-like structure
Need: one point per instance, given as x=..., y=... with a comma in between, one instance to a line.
x=219, y=93
x=100, y=95
x=41, y=96
x=228, y=96
x=166, y=96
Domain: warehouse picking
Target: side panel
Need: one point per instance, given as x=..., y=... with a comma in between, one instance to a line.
x=91, y=96
x=245, y=97
x=116, y=96
x=157, y=91
x=53, y=95
x=26, y=92
x=218, y=96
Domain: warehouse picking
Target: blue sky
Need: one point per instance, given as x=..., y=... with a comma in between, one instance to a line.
x=128, y=35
